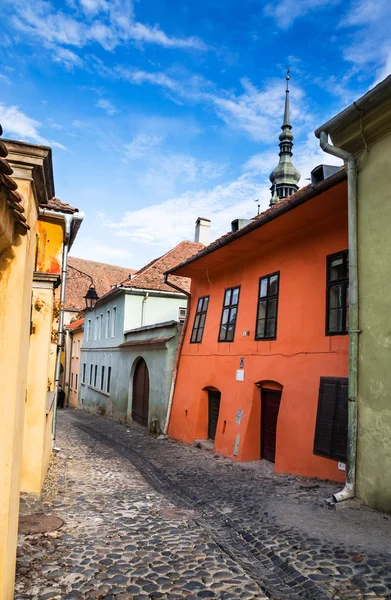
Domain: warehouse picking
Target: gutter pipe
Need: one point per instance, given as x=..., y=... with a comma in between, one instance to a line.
x=68, y=219
x=143, y=303
x=351, y=168
x=178, y=351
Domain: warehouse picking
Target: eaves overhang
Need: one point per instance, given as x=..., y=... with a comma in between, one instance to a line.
x=283, y=207
x=363, y=121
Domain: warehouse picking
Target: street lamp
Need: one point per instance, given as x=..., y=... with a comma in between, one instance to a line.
x=91, y=297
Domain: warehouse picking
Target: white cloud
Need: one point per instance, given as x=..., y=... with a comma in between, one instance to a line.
x=109, y=23
x=16, y=123
x=370, y=46
x=68, y=58
x=285, y=12
x=142, y=145
x=5, y=79
x=257, y=112
x=107, y=106
x=163, y=225
x=93, y=250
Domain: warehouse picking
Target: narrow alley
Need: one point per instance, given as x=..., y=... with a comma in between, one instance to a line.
x=148, y=518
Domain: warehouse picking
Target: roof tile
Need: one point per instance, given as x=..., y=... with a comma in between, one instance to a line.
x=104, y=277
x=151, y=277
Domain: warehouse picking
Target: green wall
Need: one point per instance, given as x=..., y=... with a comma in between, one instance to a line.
x=374, y=384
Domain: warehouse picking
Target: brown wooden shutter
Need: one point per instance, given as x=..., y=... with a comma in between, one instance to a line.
x=332, y=420
x=341, y=423
x=328, y=393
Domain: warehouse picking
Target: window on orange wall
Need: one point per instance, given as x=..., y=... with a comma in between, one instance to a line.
x=266, y=325
x=199, y=320
x=337, y=299
x=229, y=314
x=76, y=378
x=71, y=380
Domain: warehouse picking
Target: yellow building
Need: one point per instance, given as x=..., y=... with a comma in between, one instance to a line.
x=31, y=237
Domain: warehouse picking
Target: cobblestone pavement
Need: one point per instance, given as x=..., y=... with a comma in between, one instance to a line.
x=254, y=527
x=121, y=539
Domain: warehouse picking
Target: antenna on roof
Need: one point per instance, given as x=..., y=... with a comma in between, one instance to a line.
x=259, y=206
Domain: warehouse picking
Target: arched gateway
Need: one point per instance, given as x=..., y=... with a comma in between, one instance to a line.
x=140, y=398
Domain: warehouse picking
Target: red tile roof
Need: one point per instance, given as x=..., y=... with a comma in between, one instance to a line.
x=151, y=277
x=75, y=324
x=56, y=204
x=267, y=215
x=9, y=186
x=103, y=275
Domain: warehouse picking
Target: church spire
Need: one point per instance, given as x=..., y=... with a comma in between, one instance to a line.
x=285, y=176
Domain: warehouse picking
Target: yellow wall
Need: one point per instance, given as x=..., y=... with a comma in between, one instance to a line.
x=35, y=461
x=16, y=274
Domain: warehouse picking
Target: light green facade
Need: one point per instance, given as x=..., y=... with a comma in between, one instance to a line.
x=367, y=135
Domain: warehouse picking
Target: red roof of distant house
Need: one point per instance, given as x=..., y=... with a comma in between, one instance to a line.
x=104, y=277
x=75, y=324
x=56, y=204
x=151, y=277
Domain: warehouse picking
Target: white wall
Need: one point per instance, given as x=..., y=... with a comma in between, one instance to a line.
x=157, y=309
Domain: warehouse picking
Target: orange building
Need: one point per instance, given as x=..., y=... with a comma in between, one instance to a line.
x=263, y=366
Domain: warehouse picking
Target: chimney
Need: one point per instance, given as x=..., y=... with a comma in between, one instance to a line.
x=237, y=224
x=322, y=172
x=202, y=231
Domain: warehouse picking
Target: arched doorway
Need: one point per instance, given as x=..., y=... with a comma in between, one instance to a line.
x=140, y=397
x=214, y=398
x=270, y=406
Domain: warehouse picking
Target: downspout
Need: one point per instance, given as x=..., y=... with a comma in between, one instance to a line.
x=69, y=337
x=65, y=249
x=143, y=308
x=351, y=167
x=178, y=351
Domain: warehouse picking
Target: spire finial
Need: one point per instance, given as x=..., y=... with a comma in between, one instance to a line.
x=285, y=177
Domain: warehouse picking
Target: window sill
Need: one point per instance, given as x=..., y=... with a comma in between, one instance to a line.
x=95, y=389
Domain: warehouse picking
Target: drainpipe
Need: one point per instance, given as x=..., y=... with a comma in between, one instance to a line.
x=178, y=351
x=350, y=163
x=69, y=342
x=65, y=249
x=143, y=308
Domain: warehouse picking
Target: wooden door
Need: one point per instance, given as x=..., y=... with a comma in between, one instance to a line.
x=213, y=412
x=140, y=398
x=270, y=405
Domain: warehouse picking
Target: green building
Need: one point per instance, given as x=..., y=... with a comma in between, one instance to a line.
x=364, y=131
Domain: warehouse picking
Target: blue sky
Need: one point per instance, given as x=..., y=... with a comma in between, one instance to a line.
x=160, y=111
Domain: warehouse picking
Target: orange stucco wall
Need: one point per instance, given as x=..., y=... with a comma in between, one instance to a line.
x=49, y=247
x=296, y=244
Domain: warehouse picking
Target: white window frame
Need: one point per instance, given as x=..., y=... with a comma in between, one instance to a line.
x=96, y=328
x=89, y=327
x=107, y=324
x=182, y=320
x=113, y=321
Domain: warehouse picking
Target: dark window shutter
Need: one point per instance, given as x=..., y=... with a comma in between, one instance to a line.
x=328, y=394
x=341, y=423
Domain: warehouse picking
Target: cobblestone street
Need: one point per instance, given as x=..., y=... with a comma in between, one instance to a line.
x=151, y=518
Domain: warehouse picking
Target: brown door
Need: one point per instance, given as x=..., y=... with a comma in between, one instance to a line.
x=270, y=405
x=213, y=412
x=140, y=393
